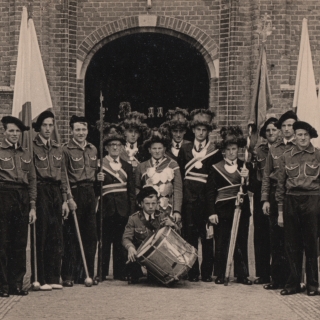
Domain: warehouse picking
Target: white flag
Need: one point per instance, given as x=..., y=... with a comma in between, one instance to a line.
x=305, y=100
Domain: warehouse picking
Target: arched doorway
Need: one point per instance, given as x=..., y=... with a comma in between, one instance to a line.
x=147, y=70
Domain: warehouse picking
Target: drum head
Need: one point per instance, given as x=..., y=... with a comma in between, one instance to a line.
x=150, y=242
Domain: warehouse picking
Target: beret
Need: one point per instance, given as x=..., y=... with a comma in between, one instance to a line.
x=264, y=127
x=42, y=116
x=75, y=119
x=145, y=193
x=16, y=121
x=287, y=115
x=306, y=126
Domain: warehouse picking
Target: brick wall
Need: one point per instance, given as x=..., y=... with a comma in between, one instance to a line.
x=225, y=29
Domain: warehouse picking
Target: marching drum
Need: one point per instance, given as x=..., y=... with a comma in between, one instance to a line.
x=166, y=255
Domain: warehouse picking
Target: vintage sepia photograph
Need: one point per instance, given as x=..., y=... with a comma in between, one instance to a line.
x=159, y=159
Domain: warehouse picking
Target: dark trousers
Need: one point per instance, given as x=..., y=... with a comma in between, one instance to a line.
x=112, y=231
x=48, y=234
x=14, y=218
x=72, y=266
x=222, y=238
x=261, y=238
x=279, y=262
x=195, y=228
x=300, y=229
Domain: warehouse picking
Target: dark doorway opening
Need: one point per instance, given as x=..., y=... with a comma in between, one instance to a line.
x=147, y=70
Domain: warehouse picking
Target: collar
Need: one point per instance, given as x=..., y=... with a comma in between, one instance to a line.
x=204, y=143
x=285, y=141
x=295, y=150
x=41, y=142
x=72, y=144
x=44, y=141
x=147, y=216
x=153, y=161
x=6, y=144
x=231, y=163
x=174, y=144
x=110, y=159
x=135, y=145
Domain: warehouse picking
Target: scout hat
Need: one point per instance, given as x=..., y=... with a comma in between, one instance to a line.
x=9, y=119
x=160, y=135
x=263, y=129
x=202, y=117
x=113, y=132
x=305, y=126
x=42, y=116
x=287, y=115
x=231, y=135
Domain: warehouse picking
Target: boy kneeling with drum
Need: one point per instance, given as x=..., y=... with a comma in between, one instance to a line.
x=142, y=225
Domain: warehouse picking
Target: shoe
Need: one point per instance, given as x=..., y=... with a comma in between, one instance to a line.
x=261, y=280
x=121, y=278
x=4, y=294
x=286, y=292
x=193, y=279
x=95, y=282
x=18, y=292
x=219, y=280
x=67, y=283
x=271, y=286
x=245, y=281
x=45, y=287
x=133, y=280
x=312, y=293
x=56, y=286
x=206, y=279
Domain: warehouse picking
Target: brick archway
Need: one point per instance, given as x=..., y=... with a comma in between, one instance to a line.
x=148, y=23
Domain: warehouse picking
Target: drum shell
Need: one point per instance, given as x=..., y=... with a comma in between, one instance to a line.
x=168, y=258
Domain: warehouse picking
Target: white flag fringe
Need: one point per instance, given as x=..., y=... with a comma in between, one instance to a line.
x=305, y=100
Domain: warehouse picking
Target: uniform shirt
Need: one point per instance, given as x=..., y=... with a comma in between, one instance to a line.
x=138, y=228
x=261, y=156
x=298, y=173
x=49, y=162
x=270, y=174
x=16, y=166
x=81, y=163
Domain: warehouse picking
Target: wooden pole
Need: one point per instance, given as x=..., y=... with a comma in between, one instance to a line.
x=101, y=183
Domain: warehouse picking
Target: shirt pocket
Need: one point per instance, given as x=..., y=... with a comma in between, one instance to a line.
x=7, y=164
x=293, y=170
x=77, y=163
x=276, y=160
x=25, y=164
x=311, y=170
x=41, y=161
x=140, y=233
x=57, y=160
x=92, y=161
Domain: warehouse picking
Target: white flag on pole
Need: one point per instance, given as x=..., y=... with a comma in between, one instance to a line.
x=305, y=100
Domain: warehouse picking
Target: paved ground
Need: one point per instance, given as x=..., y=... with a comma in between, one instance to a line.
x=113, y=300
x=118, y=300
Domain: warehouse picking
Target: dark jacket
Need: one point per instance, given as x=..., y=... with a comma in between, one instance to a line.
x=170, y=153
x=138, y=228
x=49, y=163
x=222, y=188
x=118, y=189
x=81, y=164
x=194, y=179
x=270, y=173
x=16, y=166
x=298, y=173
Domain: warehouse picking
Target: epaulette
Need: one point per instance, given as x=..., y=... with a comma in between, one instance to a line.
x=64, y=144
x=134, y=214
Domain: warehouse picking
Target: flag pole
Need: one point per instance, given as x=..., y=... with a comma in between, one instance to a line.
x=101, y=183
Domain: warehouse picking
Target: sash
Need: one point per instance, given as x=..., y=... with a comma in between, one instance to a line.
x=190, y=165
x=120, y=175
x=161, y=166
